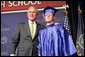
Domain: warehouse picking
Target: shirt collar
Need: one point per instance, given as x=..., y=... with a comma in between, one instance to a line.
x=31, y=22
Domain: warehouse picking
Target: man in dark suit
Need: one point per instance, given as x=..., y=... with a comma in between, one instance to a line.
x=25, y=40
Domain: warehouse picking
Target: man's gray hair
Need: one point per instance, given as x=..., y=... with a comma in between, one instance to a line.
x=34, y=8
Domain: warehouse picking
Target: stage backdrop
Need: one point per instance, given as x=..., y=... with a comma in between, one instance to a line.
x=14, y=12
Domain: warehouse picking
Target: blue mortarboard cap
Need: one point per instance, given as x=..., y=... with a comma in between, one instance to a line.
x=49, y=9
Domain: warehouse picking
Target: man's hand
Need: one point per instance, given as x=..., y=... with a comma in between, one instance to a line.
x=38, y=54
x=12, y=54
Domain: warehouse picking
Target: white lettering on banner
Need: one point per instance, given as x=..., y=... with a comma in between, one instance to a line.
x=11, y=3
x=3, y=4
x=26, y=3
x=21, y=3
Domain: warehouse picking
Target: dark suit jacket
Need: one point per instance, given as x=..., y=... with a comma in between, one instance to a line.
x=23, y=41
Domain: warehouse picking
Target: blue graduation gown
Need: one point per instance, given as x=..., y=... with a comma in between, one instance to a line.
x=54, y=40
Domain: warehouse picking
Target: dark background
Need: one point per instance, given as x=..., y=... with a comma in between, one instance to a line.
x=73, y=15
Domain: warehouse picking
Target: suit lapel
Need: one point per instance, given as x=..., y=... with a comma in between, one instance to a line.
x=37, y=30
x=28, y=29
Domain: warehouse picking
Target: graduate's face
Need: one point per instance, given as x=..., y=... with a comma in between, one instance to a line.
x=32, y=14
x=49, y=17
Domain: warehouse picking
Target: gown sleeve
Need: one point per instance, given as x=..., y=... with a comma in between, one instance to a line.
x=66, y=45
x=39, y=43
x=41, y=38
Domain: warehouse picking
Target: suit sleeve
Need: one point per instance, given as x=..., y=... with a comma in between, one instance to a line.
x=15, y=40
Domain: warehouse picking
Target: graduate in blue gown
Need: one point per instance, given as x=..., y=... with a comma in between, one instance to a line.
x=54, y=40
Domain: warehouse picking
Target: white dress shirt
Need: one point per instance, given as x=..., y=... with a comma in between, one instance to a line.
x=34, y=26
